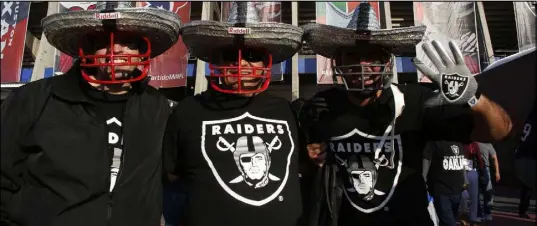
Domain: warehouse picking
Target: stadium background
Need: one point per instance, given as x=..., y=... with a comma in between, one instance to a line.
x=500, y=19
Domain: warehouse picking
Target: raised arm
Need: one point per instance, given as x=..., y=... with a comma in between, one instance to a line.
x=459, y=87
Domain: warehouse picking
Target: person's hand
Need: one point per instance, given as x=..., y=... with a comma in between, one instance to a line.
x=465, y=186
x=497, y=177
x=456, y=82
x=317, y=153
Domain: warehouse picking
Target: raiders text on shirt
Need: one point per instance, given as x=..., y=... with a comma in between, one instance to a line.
x=454, y=162
x=367, y=147
x=247, y=129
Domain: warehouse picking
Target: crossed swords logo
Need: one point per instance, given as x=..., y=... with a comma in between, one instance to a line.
x=223, y=145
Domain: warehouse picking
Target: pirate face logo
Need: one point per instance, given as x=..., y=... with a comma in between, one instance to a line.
x=364, y=160
x=453, y=86
x=455, y=149
x=363, y=181
x=255, y=165
x=363, y=176
x=249, y=156
x=253, y=161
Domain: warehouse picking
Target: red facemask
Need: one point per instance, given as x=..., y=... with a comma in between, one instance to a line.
x=219, y=73
x=92, y=61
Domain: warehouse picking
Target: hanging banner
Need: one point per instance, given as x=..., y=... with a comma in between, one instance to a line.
x=14, y=25
x=169, y=69
x=447, y=21
x=268, y=12
x=64, y=61
x=525, y=24
x=336, y=14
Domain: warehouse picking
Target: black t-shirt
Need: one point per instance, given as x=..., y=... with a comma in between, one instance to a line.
x=446, y=173
x=111, y=108
x=528, y=140
x=381, y=186
x=239, y=159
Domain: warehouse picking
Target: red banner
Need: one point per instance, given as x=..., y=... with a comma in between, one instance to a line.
x=14, y=24
x=169, y=69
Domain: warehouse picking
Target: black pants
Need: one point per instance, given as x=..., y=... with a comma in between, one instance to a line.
x=525, y=196
x=447, y=208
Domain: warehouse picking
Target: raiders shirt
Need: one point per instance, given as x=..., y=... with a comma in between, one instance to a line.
x=446, y=173
x=111, y=108
x=238, y=157
x=378, y=158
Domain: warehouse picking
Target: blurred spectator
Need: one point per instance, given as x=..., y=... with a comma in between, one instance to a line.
x=443, y=170
x=488, y=154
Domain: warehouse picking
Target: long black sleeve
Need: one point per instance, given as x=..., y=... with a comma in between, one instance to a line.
x=19, y=112
x=169, y=145
x=428, y=153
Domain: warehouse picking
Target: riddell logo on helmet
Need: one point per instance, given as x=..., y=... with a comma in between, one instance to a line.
x=107, y=16
x=239, y=30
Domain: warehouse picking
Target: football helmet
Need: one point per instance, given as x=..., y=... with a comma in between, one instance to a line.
x=113, y=60
x=373, y=72
x=235, y=66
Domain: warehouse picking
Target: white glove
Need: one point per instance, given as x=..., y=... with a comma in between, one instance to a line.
x=456, y=82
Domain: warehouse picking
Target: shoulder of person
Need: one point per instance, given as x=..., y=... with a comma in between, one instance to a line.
x=187, y=101
x=185, y=105
x=31, y=90
x=273, y=98
x=326, y=97
x=322, y=103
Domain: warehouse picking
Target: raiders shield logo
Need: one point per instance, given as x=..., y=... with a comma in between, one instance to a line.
x=453, y=86
x=369, y=167
x=249, y=156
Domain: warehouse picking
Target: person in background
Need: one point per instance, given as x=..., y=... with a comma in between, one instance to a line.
x=475, y=169
x=525, y=198
x=525, y=157
x=443, y=171
x=488, y=154
x=526, y=152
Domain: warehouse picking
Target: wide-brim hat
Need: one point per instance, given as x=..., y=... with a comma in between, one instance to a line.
x=242, y=28
x=363, y=29
x=65, y=31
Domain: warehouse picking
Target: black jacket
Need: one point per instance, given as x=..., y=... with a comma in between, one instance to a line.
x=55, y=166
